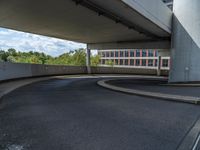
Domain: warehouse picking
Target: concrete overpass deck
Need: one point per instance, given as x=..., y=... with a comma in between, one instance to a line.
x=90, y=21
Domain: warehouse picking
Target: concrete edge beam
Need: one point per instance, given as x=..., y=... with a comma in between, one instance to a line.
x=131, y=45
x=160, y=15
x=169, y=97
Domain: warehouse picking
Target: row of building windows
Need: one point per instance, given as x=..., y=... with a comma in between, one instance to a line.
x=136, y=62
x=129, y=53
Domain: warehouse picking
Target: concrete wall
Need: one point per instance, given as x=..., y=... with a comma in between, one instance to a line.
x=118, y=70
x=164, y=53
x=14, y=71
x=185, y=53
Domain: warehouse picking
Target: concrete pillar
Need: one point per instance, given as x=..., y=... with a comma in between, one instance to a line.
x=185, y=52
x=159, y=66
x=88, y=65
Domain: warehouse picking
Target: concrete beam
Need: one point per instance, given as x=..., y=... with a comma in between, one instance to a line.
x=109, y=20
x=131, y=45
x=154, y=10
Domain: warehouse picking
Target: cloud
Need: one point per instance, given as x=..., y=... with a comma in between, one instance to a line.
x=31, y=42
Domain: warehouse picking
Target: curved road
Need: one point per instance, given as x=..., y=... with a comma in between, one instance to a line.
x=77, y=114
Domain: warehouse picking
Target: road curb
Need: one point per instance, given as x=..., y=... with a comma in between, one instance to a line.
x=169, y=97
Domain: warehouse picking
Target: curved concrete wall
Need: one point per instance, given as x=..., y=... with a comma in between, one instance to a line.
x=135, y=71
x=17, y=70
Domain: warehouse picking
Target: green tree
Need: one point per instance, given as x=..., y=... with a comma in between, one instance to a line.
x=76, y=57
x=109, y=63
x=11, y=59
x=3, y=55
x=12, y=52
x=95, y=60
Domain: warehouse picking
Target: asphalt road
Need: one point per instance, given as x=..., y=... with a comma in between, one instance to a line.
x=156, y=85
x=77, y=114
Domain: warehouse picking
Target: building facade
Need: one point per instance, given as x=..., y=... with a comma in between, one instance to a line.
x=137, y=58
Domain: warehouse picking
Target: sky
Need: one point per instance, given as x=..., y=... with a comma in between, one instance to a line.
x=31, y=42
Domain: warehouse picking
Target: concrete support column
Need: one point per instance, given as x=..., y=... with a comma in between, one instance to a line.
x=159, y=66
x=88, y=64
x=185, y=52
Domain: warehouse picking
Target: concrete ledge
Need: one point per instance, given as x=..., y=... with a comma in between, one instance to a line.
x=10, y=71
x=177, y=98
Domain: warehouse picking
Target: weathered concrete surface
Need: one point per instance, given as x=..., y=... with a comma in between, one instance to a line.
x=134, y=71
x=132, y=45
x=14, y=71
x=17, y=70
x=185, y=53
x=89, y=21
x=77, y=114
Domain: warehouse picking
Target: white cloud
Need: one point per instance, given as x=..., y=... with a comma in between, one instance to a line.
x=30, y=42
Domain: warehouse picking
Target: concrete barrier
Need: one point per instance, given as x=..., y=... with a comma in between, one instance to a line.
x=18, y=70
x=122, y=70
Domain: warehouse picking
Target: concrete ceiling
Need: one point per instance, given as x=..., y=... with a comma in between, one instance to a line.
x=94, y=21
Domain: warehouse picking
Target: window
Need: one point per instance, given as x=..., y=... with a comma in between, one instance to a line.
x=144, y=62
x=121, y=62
x=126, y=53
x=116, y=61
x=100, y=53
x=112, y=54
x=131, y=53
x=132, y=62
x=126, y=62
x=156, y=53
x=156, y=63
x=165, y=63
x=150, y=62
x=137, y=53
x=137, y=62
x=107, y=54
x=121, y=54
x=103, y=54
x=150, y=53
x=103, y=62
x=144, y=53
x=116, y=53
